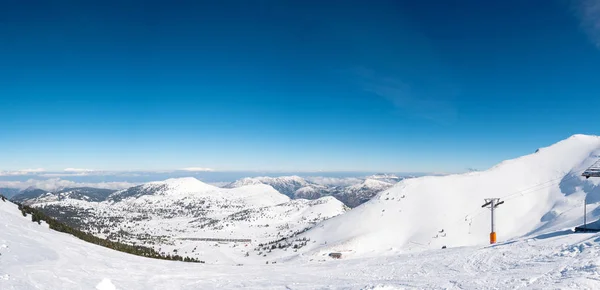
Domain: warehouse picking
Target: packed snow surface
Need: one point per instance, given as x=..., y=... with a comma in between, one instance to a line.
x=35, y=257
x=543, y=192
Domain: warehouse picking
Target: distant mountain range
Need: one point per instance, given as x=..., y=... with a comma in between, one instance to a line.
x=419, y=230
x=35, y=195
x=9, y=192
x=169, y=215
x=294, y=187
x=297, y=187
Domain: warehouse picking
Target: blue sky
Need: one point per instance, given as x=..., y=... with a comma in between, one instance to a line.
x=395, y=86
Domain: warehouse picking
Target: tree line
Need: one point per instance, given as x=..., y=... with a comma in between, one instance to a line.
x=38, y=216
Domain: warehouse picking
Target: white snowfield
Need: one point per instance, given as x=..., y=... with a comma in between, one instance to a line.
x=170, y=216
x=35, y=257
x=393, y=241
x=543, y=192
x=353, y=194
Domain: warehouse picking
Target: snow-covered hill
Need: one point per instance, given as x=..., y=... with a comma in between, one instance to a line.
x=35, y=257
x=388, y=178
x=393, y=241
x=543, y=192
x=32, y=196
x=287, y=185
x=298, y=187
x=29, y=195
x=355, y=195
x=171, y=215
x=170, y=187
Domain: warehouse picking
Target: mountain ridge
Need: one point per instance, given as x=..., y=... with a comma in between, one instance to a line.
x=543, y=192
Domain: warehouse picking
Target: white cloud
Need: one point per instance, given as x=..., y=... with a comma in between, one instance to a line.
x=64, y=174
x=589, y=11
x=196, y=169
x=78, y=170
x=336, y=181
x=57, y=183
x=34, y=170
x=71, y=172
x=22, y=172
x=219, y=183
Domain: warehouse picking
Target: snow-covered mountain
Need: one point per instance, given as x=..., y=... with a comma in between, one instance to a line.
x=359, y=191
x=29, y=195
x=298, y=187
x=543, y=192
x=387, y=177
x=174, y=186
x=287, y=185
x=33, y=195
x=32, y=256
x=358, y=194
x=169, y=216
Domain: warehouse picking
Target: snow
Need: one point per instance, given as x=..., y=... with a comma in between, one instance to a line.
x=170, y=216
x=105, y=284
x=543, y=192
x=372, y=184
x=42, y=259
x=390, y=242
x=353, y=194
x=186, y=184
x=287, y=185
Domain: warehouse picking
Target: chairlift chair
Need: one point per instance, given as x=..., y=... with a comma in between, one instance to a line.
x=593, y=171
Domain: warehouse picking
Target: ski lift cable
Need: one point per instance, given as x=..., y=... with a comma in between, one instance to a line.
x=473, y=214
x=513, y=196
x=532, y=189
x=540, y=184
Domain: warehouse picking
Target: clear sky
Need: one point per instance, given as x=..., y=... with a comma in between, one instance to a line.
x=436, y=86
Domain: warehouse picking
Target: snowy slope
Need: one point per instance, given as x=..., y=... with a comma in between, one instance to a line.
x=35, y=257
x=358, y=194
x=298, y=187
x=169, y=215
x=287, y=185
x=543, y=192
x=81, y=193
x=386, y=177
x=29, y=195
x=173, y=187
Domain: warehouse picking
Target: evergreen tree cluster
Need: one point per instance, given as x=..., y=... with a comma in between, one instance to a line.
x=282, y=243
x=38, y=216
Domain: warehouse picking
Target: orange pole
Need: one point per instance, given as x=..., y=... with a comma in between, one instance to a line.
x=492, y=237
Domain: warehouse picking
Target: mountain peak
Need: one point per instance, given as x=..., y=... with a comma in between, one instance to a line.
x=188, y=184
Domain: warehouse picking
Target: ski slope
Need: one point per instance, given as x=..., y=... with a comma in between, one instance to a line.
x=35, y=257
x=543, y=192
